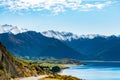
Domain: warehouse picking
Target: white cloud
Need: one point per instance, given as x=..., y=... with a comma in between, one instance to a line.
x=55, y=6
x=98, y=5
x=58, y=9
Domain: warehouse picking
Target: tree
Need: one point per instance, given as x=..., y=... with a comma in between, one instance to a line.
x=55, y=69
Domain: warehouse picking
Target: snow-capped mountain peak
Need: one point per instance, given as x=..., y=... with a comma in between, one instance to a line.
x=11, y=29
x=69, y=36
x=89, y=36
x=60, y=35
x=63, y=36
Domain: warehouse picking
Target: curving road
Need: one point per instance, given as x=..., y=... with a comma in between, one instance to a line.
x=31, y=78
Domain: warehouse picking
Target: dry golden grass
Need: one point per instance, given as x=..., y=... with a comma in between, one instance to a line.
x=48, y=79
x=60, y=77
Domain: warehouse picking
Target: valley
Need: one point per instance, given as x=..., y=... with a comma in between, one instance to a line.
x=36, y=53
x=59, y=40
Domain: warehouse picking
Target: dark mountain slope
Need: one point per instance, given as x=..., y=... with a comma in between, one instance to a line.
x=34, y=44
x=94, y=46
x=112, y=54
x=106, y=48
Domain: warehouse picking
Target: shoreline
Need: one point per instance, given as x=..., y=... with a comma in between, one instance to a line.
x=66, y=66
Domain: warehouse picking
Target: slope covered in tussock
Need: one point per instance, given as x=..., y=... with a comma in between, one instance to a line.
x=10, y=67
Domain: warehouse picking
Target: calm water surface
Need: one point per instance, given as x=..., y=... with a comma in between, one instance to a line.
x=95, y=71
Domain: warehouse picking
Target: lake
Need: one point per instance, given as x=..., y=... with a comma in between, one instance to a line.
x=95, y=71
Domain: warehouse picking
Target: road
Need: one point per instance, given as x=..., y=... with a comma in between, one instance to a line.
x=31, y=78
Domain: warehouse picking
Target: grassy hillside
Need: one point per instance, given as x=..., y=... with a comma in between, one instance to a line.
x=60, y=77
x=10, y=67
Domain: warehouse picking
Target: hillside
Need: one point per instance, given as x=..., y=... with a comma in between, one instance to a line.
x=12, y=67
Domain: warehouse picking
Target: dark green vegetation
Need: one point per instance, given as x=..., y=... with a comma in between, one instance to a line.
x=55, y=69
x=51, y=62
x=60, y=77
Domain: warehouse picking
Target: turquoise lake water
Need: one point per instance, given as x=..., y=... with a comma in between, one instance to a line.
x=95, y=71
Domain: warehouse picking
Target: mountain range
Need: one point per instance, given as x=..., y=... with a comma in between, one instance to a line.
x=34, y=44
x=22, y=42
x=93, y=46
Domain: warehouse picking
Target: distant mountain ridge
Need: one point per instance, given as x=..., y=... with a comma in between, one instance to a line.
x=50, y=33
x=68, y=35
x=11, y=29
x=60, y=35
x=33, y=44
x=60, y=44
x=94, y=46
x=6, y=28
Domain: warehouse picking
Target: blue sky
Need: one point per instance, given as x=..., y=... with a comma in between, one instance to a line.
x=77, y=16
